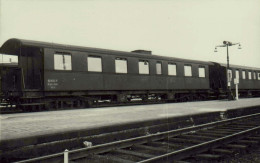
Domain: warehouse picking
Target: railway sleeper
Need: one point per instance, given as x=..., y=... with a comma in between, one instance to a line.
x=254, y=138
x=226, y=129
x=166, y=144
x=180, y=162
x=134, y=153
x=112, y=158
x=208, y=157
x=150, y=149
x=198, y=137
x=185, y=140
x=97, y=158
x=216, y=135
x=248, y=142
x=117, y=157
x=222, y=151
x=252, y=122
x=248, y=124
x=218, y=132
x=236, y=146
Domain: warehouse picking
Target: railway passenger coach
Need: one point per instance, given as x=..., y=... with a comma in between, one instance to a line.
x=249, y=80
x=51, y=75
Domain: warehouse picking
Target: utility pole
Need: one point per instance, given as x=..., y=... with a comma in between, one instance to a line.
x=229, y=74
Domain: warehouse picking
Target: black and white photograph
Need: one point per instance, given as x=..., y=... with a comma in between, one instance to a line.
x=120, y=81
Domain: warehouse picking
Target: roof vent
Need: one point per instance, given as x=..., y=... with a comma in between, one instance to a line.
x=142, y=51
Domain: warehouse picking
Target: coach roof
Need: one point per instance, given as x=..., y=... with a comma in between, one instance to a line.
x=11, y=44
x=240, y=67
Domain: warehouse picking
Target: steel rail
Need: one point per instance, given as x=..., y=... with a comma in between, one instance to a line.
x=84, y=152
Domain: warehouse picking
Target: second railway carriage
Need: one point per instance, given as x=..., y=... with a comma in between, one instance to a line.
x=248, y=79
x=57, y=75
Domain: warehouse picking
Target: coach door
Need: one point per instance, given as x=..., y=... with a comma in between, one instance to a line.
x=31, y=63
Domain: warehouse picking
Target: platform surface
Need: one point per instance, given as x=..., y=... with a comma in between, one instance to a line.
x=22, y=125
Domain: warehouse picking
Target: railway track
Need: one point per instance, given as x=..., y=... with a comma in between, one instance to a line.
x=209, y=142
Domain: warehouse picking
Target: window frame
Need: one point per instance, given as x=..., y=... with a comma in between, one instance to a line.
x=8, y=58
x=126, y=63
x=243, y=74
x=63, y=54
x=101, y=63
x=158, y=62
x=188, y=65
x=254, y=75
x=249, y=75
x=204, y=68
x=146, y=62
x=173, y=64
x=237, y=70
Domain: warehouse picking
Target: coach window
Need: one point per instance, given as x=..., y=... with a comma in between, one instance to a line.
x=172, y=70
x=258, y=74
x=249, y=75
x=230, y=73
x=158, y=68
x=237, y=74
x=62, y=61
x=9, y=59
x=202, y=73
x=254, y=76
x=121, y=65
x=94, y=64
x=187, y=70
x=243, y=74
x=143, y=67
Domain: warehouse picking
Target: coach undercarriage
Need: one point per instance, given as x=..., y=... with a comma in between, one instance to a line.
x=33, y=100
x=38, y=100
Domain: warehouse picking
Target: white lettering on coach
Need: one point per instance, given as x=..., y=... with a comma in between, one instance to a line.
x=52, y=83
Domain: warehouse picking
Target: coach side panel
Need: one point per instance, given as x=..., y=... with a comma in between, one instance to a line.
x=248, y=78
x=78, y=78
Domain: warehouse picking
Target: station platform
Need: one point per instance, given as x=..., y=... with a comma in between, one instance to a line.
x=21, y=128
x=41, y=123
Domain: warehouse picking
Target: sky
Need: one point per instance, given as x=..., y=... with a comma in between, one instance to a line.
x=177, y=28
